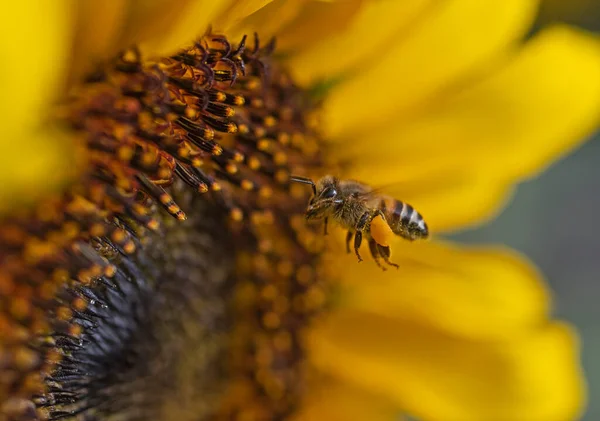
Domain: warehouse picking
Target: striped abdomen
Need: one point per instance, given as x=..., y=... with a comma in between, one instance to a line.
x=403, y=219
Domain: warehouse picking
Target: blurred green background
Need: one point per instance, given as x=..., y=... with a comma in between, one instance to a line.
x=555, y=221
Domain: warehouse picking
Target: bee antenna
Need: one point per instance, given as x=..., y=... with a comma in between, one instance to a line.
x=304, y=180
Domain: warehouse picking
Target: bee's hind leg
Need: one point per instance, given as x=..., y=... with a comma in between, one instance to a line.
x=357, y=241
x=349, y=236
x=384, y=251
x=375, y=253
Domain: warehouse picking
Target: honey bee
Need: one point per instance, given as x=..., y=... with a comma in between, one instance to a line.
x=354, y=206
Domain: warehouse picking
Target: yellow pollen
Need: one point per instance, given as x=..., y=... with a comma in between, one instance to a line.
x=79, y=304
x=19, y=307
x=253, y=84
x=283, y=138
x=110, y=271
x=125, y=153
x=173, y=209
x=282, y=176
x=236, y=214
x=270, y=121
x=381, y=231
x=271, y=320
x=60, y=275
x=217, y=150
x=269, y=292
x=64, y=313
x=243, y=129
x=231, y=168
x=209, y=134
x=119, y=236
x=280, y=158
x=247, y=185
x=263, y=145
x=254, y=163
x=285, y=268
x=153, y=224
x=191, y=113
x=265, y=192
x=129, y=247
x=259, y=132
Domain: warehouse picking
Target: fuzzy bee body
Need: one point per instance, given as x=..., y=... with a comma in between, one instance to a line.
x=354, y=205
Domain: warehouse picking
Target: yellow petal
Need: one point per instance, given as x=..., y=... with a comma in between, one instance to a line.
x=236, y=12
x=456, y=39
x=375, y=26
x=160, y=27
x=541, y=103
x=331, y=400
x=269, y=20
x=34, y=43
x=438, y=377
x=315, y=22
x=98, y=26
x=472, y=292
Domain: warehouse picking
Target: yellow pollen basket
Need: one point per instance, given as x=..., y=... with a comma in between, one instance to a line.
x=381, y=231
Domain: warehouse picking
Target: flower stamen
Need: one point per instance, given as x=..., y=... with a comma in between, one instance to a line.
x=184, y=209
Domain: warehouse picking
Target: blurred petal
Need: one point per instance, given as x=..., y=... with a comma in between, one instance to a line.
x=454, y=40
x=507, y=126
x=315, y=22
x=471, y=292
x=270, y=20
x=331, y=400
x=35, y=163
x=236, y=12
x=534, y=377
x=98, y=26
x=160, y=27
x=365, y=38
x=34, y=43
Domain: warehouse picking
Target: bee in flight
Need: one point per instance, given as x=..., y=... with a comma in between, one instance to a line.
x=355, y=206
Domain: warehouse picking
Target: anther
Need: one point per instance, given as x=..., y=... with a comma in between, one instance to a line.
x=236, y=214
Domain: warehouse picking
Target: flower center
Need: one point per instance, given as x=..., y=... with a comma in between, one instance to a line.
x=175, y=278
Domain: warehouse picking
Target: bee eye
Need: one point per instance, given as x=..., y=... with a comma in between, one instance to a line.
x=328, y=193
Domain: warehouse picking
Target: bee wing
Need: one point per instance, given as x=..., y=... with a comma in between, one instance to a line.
x=374, y=193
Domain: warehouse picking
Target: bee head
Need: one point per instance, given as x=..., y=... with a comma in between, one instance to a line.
x=325, y=195
x=324, y=199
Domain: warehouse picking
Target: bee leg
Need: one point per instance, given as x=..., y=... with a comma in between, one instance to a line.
x=357, y=241
x=325, y=226
x=358, y=235
x=375, y=253
x=384, y=251
x=349, y=236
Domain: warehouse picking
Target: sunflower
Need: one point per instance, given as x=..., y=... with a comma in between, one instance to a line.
x=156, y=262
